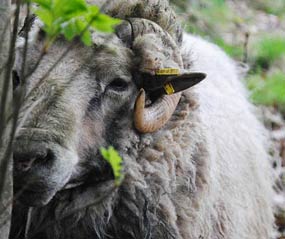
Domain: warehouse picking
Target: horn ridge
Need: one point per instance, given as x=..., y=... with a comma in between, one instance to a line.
x=150, y=119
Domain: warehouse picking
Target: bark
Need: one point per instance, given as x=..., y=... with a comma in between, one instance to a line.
x=6, y=193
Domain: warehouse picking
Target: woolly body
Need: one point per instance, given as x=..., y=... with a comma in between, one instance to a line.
x=204, y=175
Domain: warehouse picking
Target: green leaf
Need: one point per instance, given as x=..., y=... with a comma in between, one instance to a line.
x=46, y=4
x=82, y=29
x=68, y=9
x=269, y=90
x=93, y=10
x=269, y=49
x=86, y=38
x=45, y=16
x=114, y=159
x=105, y=23
x=72, y=18
x=69, y=30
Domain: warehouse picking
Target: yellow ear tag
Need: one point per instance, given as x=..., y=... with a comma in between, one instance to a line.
x=169, y=88
x=167, y=71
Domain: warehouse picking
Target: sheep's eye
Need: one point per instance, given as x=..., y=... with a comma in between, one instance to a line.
x=16, y=79
x=118, y=84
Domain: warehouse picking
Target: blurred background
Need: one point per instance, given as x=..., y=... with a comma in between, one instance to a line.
x=250, y=31
x=253, y=33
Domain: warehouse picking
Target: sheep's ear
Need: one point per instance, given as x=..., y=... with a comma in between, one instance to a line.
x=182, y=82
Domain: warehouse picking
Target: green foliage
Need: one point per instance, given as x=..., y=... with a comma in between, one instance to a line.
x=268, y=90
x=114, y=159
x=268, y=50
x=232, y=50
x=72, y=18
x=213, y=19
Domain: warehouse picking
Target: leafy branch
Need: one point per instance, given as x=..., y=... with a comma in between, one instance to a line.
x=71, y=18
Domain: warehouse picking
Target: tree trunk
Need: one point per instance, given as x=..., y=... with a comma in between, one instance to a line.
x=5, y=169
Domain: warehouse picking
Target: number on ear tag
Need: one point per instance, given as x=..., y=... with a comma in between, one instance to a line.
x=167, y=71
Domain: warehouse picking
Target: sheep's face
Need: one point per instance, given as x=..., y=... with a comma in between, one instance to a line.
x=87, y=101
x=82, y=105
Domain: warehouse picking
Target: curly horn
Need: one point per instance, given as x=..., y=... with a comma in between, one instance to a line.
x=151, y=118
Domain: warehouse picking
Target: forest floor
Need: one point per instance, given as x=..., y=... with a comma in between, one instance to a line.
x=253, y=33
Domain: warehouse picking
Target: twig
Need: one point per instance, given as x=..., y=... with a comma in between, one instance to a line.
x=15, y=197
x=27, y=113
x=245, y=48
x=4, y=98
x=18, y=100
x=3, y=35
x=43, y=53
x=8, y=152
x=7, y=72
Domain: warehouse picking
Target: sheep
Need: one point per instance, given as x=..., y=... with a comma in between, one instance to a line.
x=203, y=172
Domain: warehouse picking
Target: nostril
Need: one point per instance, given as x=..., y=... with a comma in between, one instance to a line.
x=49, y=156
x=23, y=161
